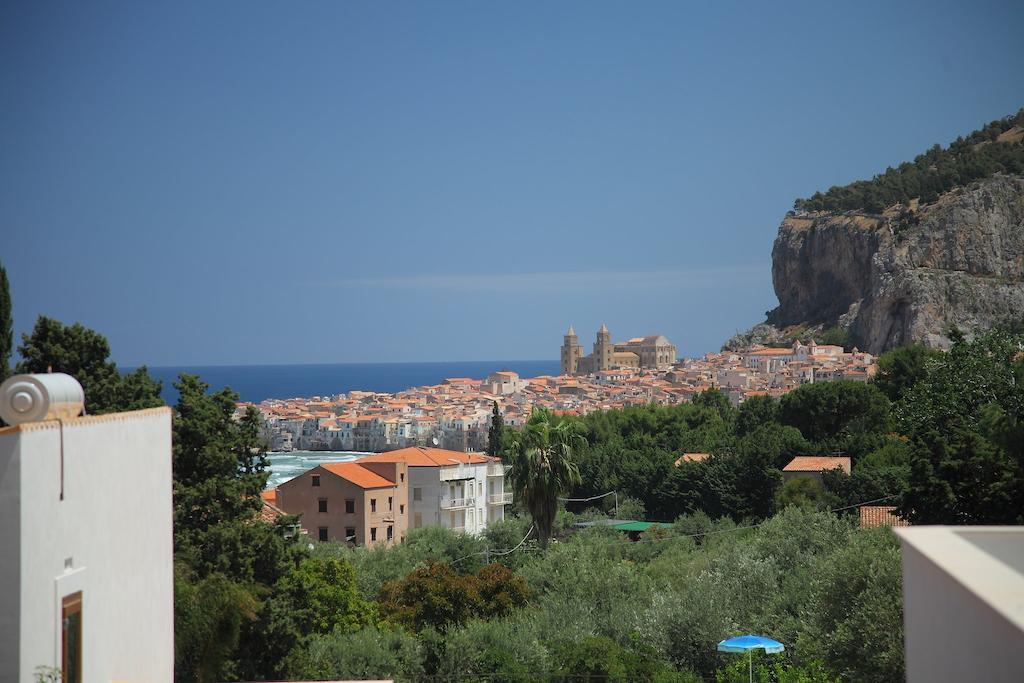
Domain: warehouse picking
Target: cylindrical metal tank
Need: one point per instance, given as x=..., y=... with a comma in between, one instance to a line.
x=34, y=398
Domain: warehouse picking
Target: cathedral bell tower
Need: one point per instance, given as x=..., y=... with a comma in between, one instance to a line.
x=571, y=352
x=603, y=349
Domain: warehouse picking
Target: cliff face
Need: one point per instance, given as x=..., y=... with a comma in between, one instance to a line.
x=891, y=281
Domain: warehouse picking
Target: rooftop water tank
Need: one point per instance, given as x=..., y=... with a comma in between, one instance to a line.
x=34, y=398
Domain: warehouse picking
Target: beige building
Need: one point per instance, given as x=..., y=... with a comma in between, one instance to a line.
x=361, y=503
x=651, y=352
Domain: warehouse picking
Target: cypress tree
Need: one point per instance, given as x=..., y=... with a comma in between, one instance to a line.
x=6, y=332
x=494, y=434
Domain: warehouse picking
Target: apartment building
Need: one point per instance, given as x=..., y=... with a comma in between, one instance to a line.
x=363, y=503
x=461, y=491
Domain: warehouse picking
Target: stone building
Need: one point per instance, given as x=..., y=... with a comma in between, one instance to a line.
x=653, y=351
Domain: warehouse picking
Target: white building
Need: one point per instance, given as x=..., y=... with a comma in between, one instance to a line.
x=963, y=603
x=86, y=531
x=461, y=491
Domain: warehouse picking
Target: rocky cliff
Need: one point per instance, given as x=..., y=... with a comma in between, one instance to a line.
x=903, y=277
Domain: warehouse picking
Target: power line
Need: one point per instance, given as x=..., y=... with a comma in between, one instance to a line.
x=586, y=500
x=497, y=553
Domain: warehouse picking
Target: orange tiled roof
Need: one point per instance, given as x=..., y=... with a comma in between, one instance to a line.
x=880, y=515
x=270, y=513
x=427, y=457
x=692, y=457
x=818, y=463
x=357, y=474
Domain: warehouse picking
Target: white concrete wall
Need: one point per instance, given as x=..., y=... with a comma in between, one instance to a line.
x=963, y=607
x=426, y=479
x=433, y=489
x=110, y=537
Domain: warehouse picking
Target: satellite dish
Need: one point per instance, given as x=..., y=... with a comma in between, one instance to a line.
x=434, y=440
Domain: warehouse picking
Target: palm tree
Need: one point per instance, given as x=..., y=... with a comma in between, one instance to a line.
x=542, y=466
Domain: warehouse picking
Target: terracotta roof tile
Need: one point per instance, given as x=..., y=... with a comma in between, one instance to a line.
x=817, y=463
x=427, y=457
x=880, y=515
x=357, y=474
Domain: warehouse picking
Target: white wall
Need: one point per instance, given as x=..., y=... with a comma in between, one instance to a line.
x=426, y=479
x=963, y=605
x=110, y=537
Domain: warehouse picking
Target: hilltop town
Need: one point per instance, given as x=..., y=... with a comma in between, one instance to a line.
x=456, y=413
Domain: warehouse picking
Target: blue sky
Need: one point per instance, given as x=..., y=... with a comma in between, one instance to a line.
x=266, y=182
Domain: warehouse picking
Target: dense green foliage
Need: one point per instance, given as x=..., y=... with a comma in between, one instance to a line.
x=238, y=611
x=930, y=174
x=604, y=608
x=902, y=368
x=966, y=423
x=438, y=596
x=84, y=354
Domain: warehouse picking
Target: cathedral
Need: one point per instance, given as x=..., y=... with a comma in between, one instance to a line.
x=639, y=352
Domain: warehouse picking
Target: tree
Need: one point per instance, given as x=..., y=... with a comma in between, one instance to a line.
x=543, y=466
x=317, y=597
x=6, y=333
x=221, y=547
x=208, y=619
x=964, y=420
x=902, y=368
x=800, y=491
x=84, y=354
x=373, y=653
x=755, y=412
x=496, y=433
x=438, y=596
x=832, y=411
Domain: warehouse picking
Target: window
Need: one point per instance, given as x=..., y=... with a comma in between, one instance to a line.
x=350, y=534
x=321, y=505
x=373, y=505
x=391, y=533
x=401, y=477
x=417, y=494
x=401, y=509
x=373, y=533
x=389, y=504
x=71, y=638
x=322, y=534
x=350, y=505
x=316, y=480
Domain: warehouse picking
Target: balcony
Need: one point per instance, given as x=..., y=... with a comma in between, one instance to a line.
x=457, y=503
x=495, y=469
x=500, y=499
x=456, y=473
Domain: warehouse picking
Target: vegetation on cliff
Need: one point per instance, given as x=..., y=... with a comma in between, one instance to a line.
x=996, y=148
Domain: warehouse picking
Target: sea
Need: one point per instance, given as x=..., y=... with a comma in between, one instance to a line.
x=255, y=383
x=285, y=466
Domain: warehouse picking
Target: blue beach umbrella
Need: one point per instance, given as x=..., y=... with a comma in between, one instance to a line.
x=748, y=644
